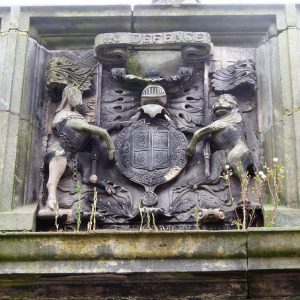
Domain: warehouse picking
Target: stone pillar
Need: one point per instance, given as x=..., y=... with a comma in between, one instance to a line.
x=289, y=61
x=14, y=127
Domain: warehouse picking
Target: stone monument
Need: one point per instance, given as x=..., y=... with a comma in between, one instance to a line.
x=147, y=115
x=137, y=145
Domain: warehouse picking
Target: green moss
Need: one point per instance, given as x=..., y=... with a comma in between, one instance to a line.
x=132, y=66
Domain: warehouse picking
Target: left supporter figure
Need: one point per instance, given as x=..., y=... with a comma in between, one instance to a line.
x=70, y=134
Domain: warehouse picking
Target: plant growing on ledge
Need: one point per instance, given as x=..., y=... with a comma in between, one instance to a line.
x=79, y=208
x=268, y=181
x=148, y=213
x=56, y=209
x=273, y=178
x=91, y=226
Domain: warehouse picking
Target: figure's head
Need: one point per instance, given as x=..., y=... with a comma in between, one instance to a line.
x=224, y=105
x=154, y=94
x=71, y=95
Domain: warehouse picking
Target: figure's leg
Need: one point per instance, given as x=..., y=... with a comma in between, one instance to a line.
x=218, y=162
x=241, y=163
x=57, y=167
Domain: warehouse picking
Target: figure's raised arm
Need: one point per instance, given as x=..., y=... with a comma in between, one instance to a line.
x=81, y=125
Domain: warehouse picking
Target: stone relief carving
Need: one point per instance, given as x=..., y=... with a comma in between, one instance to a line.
x=62, y=72
x=185, y=102
x=227, y=135
x=70, y=134
x=166, y=163
x=242, y=73
x=113, y=47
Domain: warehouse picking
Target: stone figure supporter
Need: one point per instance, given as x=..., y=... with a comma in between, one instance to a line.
x=70, y=134
x=227, y=135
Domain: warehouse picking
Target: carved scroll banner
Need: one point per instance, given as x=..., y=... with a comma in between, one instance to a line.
x=113, y=47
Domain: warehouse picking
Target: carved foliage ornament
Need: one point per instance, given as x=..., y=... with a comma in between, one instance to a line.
x=234, y=76
x=112, y=47
x=63, y=72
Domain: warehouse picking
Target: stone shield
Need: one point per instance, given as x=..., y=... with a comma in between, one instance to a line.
x=151, y=152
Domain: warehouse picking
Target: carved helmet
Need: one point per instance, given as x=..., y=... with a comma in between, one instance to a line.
x=154, y=94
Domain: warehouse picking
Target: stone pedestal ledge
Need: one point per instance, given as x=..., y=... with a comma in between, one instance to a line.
x=122, y=252
x=19, y=219
x=258, y=263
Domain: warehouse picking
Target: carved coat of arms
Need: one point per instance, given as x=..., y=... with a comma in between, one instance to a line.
x=151, y=152
x=157, y=141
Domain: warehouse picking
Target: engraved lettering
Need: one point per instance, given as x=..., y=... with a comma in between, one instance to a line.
x=189, y=36
x=178, y=39
x=158, y=38
x=177, y=36
x=136, y=38
x=168, y=37
x=147, y=38
x=116, y=37
x=199, y=37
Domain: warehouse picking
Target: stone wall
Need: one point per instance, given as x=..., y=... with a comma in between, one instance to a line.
x=268, y=33
x=29, y=34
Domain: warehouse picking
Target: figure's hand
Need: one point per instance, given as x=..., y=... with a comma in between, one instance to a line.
x=93, y=179
x=190, y=150
x=111, y=154
x=110, y=190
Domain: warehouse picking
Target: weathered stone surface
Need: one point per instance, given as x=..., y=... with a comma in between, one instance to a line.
x=273, y=249
x=31, y=82
x=13, y=71
x=165, y=264
x=192, y=17
x=287, y=110
x=19, y=219
x=268, y=251
x=274, y=285
x=21, y=169
x=142, y=62
x=5, y=17
x=288, y=41
x=105, y=43
x=8, y=152
x=4, y=100
x=291, y=192
x=287, y=217
x=268, y=146
x=171, y=286
x=76, y=26
x=93, y=252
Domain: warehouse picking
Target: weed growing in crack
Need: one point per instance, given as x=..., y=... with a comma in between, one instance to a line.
x=91, y=226
x=79, y=208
